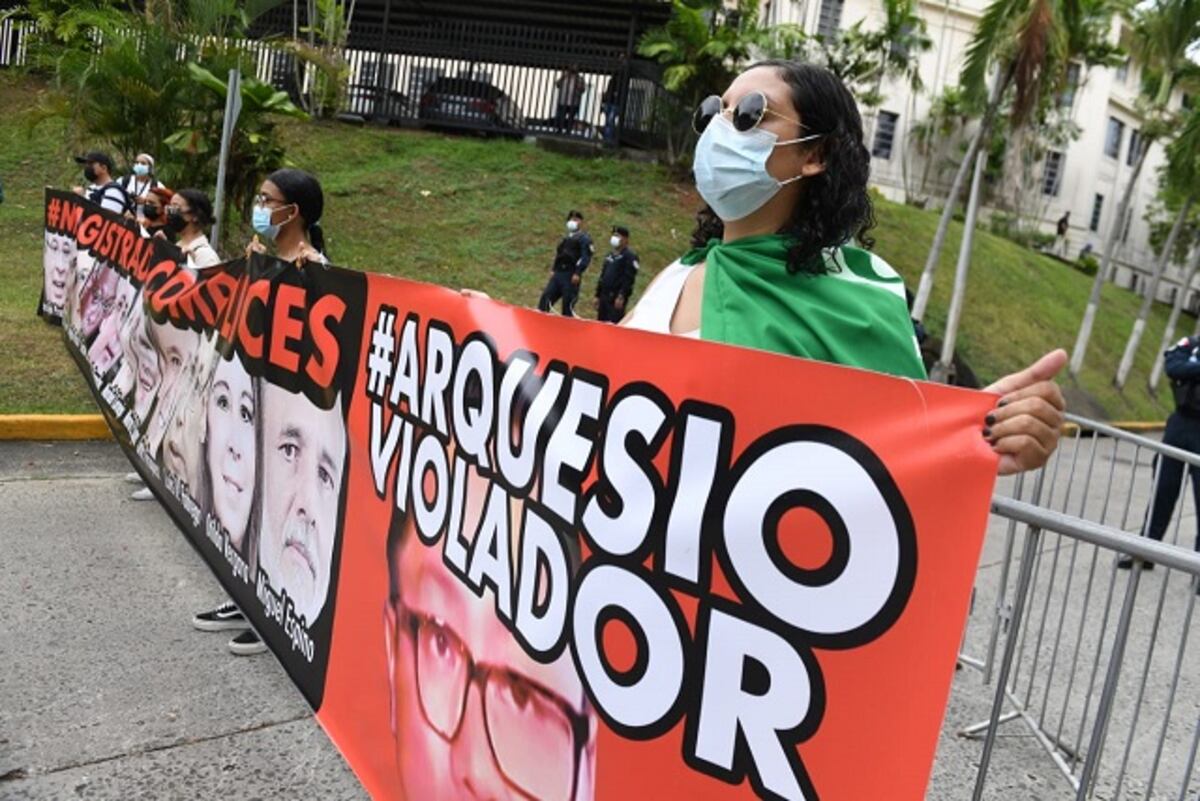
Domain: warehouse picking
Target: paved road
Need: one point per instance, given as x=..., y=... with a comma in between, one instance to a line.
x=107, y=692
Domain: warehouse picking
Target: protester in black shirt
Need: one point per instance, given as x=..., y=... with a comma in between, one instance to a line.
x=572, y=258
x=616, y=277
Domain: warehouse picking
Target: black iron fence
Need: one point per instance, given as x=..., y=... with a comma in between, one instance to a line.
x=491, y=79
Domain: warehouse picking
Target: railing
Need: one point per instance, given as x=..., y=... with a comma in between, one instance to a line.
x=457, y=75
x=1092, y=660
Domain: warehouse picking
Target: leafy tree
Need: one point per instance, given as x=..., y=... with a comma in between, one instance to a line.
x=703, y=46
x=1028, y=45
x=1181, y=181
x=147, y=81
x=1162, y=35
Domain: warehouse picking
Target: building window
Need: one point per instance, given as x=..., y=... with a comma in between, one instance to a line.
x=1135, y=147
x=1067, y=97
x=885, y=135
x=830, y=21
x=1112, y=141
x=1052, y=174
x=1097, y=207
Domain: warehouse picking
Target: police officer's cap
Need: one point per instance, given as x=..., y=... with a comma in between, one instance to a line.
x=622, y=230
x=574, y=215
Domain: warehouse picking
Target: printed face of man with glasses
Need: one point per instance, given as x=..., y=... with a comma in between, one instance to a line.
x=472, y=715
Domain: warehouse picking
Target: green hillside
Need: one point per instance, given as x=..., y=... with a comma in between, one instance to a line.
x=486, y=214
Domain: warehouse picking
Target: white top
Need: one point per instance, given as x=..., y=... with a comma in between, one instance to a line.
x=136, y=186
x=200, y=253
x=654, y=310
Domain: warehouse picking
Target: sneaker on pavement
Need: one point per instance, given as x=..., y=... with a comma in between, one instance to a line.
x=224, y=618
x=247, y=643
x=1126, y=563
x=133, y=478
x=143, y=494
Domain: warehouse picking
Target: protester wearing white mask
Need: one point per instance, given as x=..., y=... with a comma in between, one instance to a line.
x=781, y=162
x=140, y=181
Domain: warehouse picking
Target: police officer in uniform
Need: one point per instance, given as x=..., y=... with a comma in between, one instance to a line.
x=616, y=278
x=1182, y=364
x=573, y=256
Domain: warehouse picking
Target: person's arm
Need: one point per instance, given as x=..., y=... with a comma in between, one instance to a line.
x=586, y=249
x=1181, y=362
x=628, y=278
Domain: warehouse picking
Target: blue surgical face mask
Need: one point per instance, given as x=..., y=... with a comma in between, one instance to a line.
x=141, y=170
x=261, y=221
x=731, y=168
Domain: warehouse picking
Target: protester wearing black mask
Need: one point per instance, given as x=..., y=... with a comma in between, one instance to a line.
x=102, y=189
x=152, y=213
x=188, y=214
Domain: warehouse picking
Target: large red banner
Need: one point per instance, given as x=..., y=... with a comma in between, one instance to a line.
x=508, y=555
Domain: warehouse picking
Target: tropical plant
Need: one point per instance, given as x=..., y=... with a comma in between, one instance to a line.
x=147, y=81
x=1162, y=34
x=703, y=46
x=939, y=135
x=1181, y=181
x=255, y=149
x=898, y=45
x=1029, y=44
x=324, y=52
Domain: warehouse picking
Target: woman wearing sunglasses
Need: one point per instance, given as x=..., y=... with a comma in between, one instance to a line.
x=781, y=163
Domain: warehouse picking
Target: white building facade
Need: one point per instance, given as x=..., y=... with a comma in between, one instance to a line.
x=1086, y=177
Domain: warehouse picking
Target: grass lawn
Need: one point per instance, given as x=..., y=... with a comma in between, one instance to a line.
x=486, y=214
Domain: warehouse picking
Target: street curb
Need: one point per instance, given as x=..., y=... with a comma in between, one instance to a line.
x=53, y=427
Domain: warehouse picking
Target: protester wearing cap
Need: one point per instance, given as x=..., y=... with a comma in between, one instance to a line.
x=102, y=189
x=571, y=259
x=617, y=277
x=139, y=183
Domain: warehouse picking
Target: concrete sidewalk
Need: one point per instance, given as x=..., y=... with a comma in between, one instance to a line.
x=106, y=691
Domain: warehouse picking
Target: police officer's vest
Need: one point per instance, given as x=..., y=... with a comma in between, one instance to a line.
x=570, y=251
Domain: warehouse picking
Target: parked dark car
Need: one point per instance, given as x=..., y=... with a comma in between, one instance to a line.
x=376, y=103
x=467, y=103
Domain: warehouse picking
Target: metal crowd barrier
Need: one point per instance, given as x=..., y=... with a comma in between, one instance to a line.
x=1090, y=660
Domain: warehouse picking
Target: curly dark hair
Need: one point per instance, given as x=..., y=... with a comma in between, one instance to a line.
x=834, y=206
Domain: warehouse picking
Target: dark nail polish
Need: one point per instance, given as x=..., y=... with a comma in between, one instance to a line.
x=987, y=432
x=1002, y=403
x=990, y=419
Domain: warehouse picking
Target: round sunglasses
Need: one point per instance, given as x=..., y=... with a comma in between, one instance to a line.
x=746, y=114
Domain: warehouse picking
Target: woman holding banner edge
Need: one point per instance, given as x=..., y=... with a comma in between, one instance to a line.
x=287, y=212
x=781, y=163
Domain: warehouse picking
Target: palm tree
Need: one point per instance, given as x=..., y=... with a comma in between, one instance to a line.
x=1162, y=35
x=1030, y=42
x=1182, y=179
x=900, y=43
